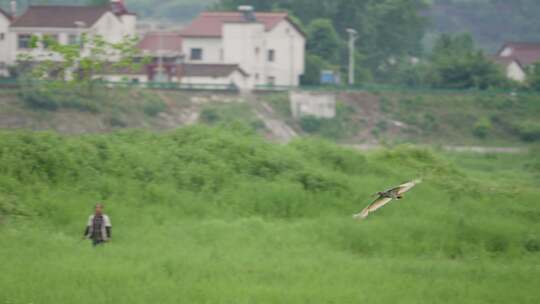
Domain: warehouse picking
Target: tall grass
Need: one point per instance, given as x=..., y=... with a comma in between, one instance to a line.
x=210, y=215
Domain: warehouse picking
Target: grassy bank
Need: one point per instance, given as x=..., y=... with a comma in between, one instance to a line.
x=393, y=117
x=208, y=215
x=433, y=117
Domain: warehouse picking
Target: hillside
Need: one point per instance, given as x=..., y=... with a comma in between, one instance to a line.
x=363, y=117
x=208, y=215
x=482, y=18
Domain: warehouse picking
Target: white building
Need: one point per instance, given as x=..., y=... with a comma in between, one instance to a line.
x=65, y=24
x=517, y=57
x=268, y=47
x=217, y=75
x=512, y=68
x=5, y=21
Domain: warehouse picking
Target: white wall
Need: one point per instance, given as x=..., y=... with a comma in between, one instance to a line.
x=123, y=78
x=507, y=52
x=236, y=77
x=241, y=40
x=244, y=44
x=211, y=49
x=38, y=53
x=515, y=72
x=289, y=46
x=130, y=25
x=312, y=104
x=4, y=44
x=110, y=27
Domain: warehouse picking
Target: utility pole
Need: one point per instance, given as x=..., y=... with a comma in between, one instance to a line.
x=353, y=35
x=160, y=75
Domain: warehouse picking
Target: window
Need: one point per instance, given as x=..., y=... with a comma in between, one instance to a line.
x=196, y=54
x=271, y=55
x=73, y=39
x=48, y=40
x=2, y=36
x=24, y=41
x=271, y=81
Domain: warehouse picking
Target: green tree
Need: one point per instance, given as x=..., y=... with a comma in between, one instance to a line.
x=534, y=77
x=457, y=64
x=323, y=40
x=68, y=76
x=314, y=66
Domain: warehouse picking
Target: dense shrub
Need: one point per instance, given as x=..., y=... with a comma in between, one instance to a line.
x=153, y=107
x=311, y=124
x=482, y=128
x=529, y=130
x=199, y=160
x=55, y=95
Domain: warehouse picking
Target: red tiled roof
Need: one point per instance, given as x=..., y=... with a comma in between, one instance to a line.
x=60, y=16
x=170, y=42
x=210, y=24
x=208, y=70
x=525, y=53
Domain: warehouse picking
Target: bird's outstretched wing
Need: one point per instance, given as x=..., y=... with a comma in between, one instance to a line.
x=378, y=203
x=407, y=186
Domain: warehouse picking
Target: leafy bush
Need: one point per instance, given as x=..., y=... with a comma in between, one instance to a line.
x=153, y=107
x=341, y=126
x=311, y=124
x=55, y=95
x=532, y=244
x=280, y=103
x=231, y=114
x=209, y=115
x=529, y=131
x=482, y=128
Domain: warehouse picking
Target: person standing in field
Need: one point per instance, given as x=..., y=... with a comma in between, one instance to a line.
x=99, y=227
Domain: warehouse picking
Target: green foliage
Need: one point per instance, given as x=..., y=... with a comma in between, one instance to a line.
x=280, y=103
x=152, y=107
x=528, y=130
x=323, y=40
x=339, y=127
x=311, y=124
x=314, y=66
x=230, y=114
x=482, y=127
x=483, y=20
x=533, y=77
x=218, y=215
x=70, y=82
x=53, y=95
x=457, y=65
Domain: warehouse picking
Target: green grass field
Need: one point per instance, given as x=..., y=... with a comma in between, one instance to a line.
x=213, y=215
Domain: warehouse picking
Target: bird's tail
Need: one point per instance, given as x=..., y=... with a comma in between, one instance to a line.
x=362, y=215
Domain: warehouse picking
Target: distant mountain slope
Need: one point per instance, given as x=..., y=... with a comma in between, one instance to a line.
x=491, y=22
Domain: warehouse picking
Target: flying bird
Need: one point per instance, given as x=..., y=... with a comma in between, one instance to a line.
x=385, y=197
